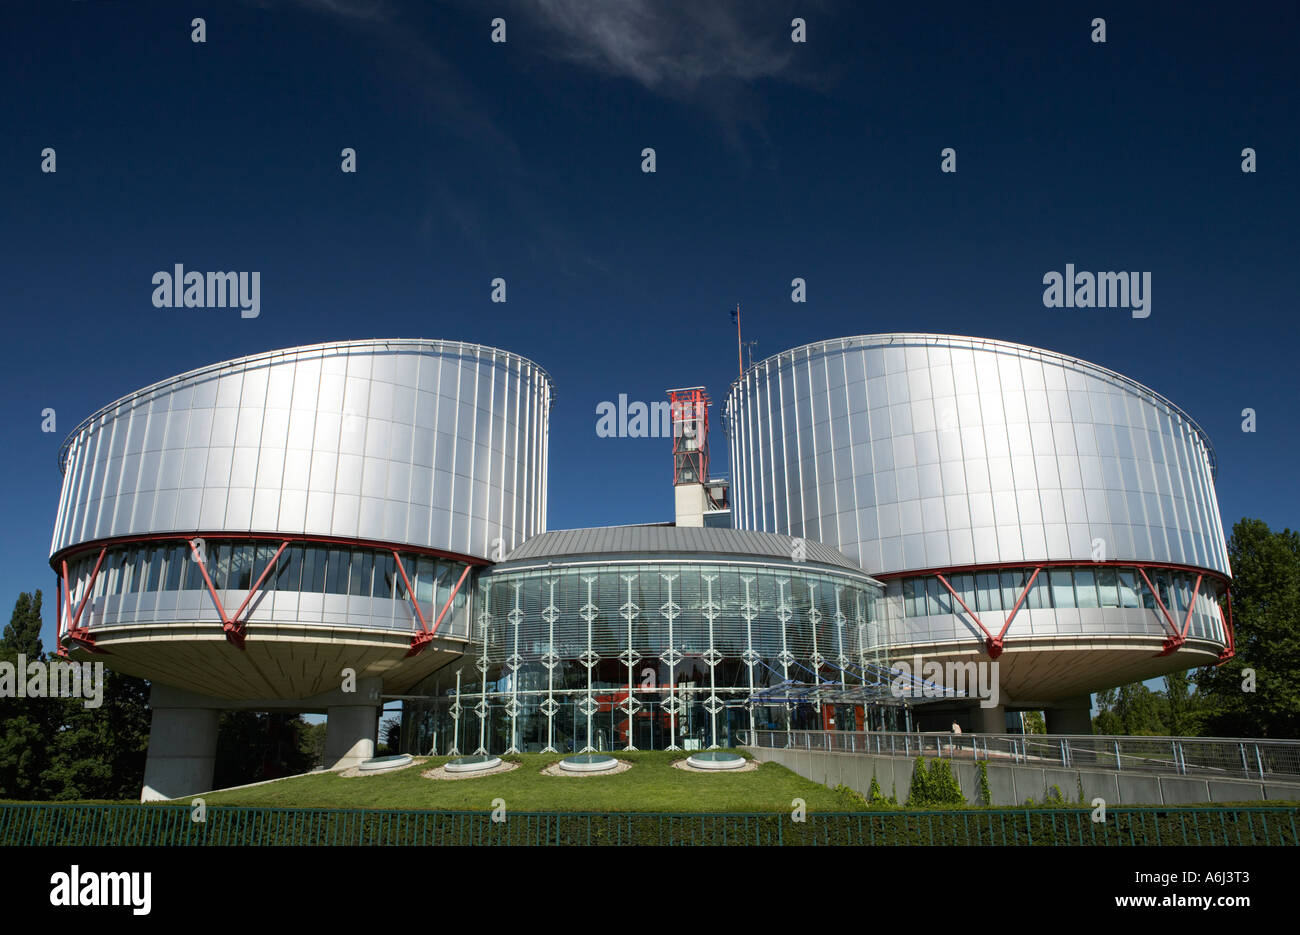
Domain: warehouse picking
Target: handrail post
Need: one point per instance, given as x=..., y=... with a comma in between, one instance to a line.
x=1259, y=762
x=1119, y=765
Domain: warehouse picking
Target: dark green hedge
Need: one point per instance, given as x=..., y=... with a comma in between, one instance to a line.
x=52, y=824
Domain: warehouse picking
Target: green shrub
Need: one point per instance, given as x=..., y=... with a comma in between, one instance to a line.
x=853, y=795
x=875, y=796
x=918, y=796
x=942, y=785
x=985, y=794
x=934, y=786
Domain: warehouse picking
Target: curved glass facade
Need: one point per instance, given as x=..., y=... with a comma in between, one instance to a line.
x=435, y=444
x=1059, y=600
x=649, y=654
x=311, y=584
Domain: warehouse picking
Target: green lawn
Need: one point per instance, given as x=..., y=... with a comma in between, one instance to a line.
x=651, y=785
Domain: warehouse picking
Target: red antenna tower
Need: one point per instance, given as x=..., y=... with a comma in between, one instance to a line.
x=689, y=412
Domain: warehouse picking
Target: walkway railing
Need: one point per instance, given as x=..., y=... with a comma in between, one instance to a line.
x=1205, y=757
x=172, y=825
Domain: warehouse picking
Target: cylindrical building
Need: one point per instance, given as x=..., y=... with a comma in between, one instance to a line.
x=1010, y=497
x=248, y=530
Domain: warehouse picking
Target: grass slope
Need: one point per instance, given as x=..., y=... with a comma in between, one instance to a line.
x=651, y=785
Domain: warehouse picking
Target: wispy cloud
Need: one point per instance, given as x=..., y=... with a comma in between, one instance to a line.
x=351, y=9
x=669, y=46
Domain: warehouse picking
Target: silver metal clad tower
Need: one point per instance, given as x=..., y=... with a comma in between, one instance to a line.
x=956, y=468
x=324, y=501
x=430, y=443
x=294, y=531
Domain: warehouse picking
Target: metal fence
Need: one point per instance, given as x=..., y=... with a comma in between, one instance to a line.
x=1208, y=757
x=172, y=825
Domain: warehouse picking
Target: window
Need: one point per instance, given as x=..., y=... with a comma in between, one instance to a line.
x=1085, y=587
x=261, y=560
x=155, y=569
x=964, y=585
x=385, y=574
x=193, y=573
x=241, y=568
x=289, y=571
x=121, y=571
x=1128, y=587
x=1013, y=582
x=313, y=571
x=336, y=578
x=939, y=601
x=1161, y=581
x=988, y=593
x=1040, y=595
x=1062, y=588
x=219, y=569
x=363, y=564
x=425, y=570
x=1108, y=587
x=175, y=566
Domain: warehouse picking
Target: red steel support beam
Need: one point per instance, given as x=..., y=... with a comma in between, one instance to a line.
x=969, y=612
x=1174, y=641
x=450, y=597
x=423, y=638
x=257, y=586
x=1178, y=639
x=993, y=644
x=76, y=633
x=232, y=627
x=410, y=592
x=1231, y=649
x=59, y=649
x=995, y=647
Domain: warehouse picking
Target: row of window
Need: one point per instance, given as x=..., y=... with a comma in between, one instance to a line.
x=1054, y=588
x=237, y=565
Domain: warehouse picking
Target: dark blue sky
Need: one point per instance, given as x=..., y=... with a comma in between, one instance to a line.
x=522, y=160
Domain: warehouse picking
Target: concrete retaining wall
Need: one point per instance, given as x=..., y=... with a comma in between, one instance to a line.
x=1012, y=784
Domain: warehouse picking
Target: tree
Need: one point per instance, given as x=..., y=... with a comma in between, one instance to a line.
x=99, y=753
x=311, y=744
x=254, y=746
x=26, y=724
x=1182, y=708
x=1131, y=709
x=1266, y=613
x=23, y=634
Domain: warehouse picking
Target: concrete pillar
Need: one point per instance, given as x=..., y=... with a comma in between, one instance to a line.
x=182, y=748
x=988, y=720
x=1070, y=716
x=350, y=728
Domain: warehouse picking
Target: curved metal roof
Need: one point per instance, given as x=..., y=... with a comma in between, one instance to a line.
x=602, y=541
x=306, y=350
x=905, y=338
